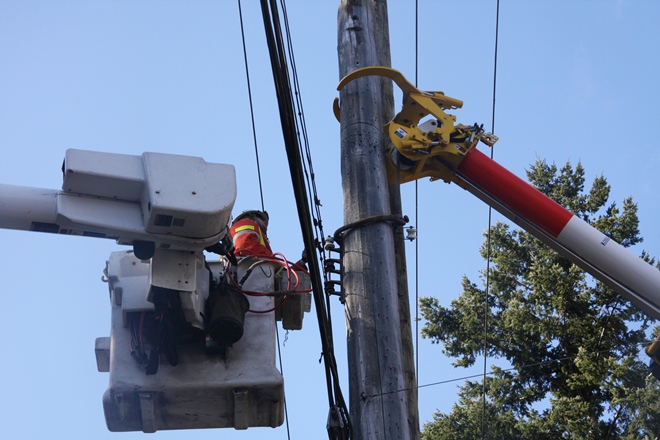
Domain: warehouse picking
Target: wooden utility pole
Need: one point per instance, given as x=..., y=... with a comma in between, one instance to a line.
x=383, y=396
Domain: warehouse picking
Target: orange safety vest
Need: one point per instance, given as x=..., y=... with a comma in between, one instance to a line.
x=249, y=239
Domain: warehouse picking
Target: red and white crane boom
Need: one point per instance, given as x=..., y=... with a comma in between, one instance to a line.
x=427, y=143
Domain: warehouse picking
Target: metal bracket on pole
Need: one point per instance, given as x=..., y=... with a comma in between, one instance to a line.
x=334, y=266
x=393, y=220
x=335, y=244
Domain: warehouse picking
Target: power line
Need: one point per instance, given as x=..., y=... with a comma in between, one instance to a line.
x=254, y=130
x=488, y=245
x=261, y=191
x=537, y=364
x=416, y=212
x=286, y=410
x=342, y=429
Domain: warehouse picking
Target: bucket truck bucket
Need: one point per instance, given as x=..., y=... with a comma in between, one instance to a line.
x=241, y=389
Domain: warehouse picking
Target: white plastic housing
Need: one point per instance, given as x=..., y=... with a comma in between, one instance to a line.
x=178, y=270
x=177, y=202
x=177, y=195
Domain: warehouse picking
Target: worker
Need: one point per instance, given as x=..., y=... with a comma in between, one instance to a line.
x=248, y=231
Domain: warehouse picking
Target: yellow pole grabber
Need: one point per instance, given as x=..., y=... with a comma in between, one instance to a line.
x=422, y=149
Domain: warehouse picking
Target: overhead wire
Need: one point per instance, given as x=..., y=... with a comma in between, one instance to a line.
x=249, y=89
x=416, y=211
x=261, y=195
x=307, y=169
x=305, y=152
x=307, y=166
x=486, y=308
x=523, y=367
x=290, y=131
x=417, y=319
x=488, y=237
x=315, y=204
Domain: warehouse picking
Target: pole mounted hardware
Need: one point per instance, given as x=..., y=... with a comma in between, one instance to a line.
x=432, y=148
x=336, y=244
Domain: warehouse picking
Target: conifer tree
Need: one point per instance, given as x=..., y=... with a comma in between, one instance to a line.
x=568, y=348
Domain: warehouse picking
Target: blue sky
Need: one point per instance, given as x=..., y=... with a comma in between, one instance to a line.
x=576, y=81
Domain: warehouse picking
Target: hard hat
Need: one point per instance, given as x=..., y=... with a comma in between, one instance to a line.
x=263, y=215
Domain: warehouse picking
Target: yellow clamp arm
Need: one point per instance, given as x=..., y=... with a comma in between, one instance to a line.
x=430, y=149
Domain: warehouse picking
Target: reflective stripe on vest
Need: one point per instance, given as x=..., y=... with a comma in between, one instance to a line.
x=249, y=229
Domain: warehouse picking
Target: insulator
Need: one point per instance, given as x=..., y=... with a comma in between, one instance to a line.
x=411, y=233
x=329, y=244
x=330, y=287
x=329, y=265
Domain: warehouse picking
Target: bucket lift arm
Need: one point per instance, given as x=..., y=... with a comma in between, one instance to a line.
x=169, y=208
x=161, y=201
x=439, y=149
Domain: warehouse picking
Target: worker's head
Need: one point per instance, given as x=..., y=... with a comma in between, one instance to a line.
x=261, y=217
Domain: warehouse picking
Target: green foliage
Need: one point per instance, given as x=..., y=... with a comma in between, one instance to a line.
x=466, y=419
x=571, y=343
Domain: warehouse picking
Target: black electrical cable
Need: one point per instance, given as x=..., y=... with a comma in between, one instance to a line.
x=249, y=88
x=287, y=120
x=473, y=376
x=261, y=191
x=488, y=238
x=286, y=411
x=417, y=212
x=307, y=167
x=289, y=131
